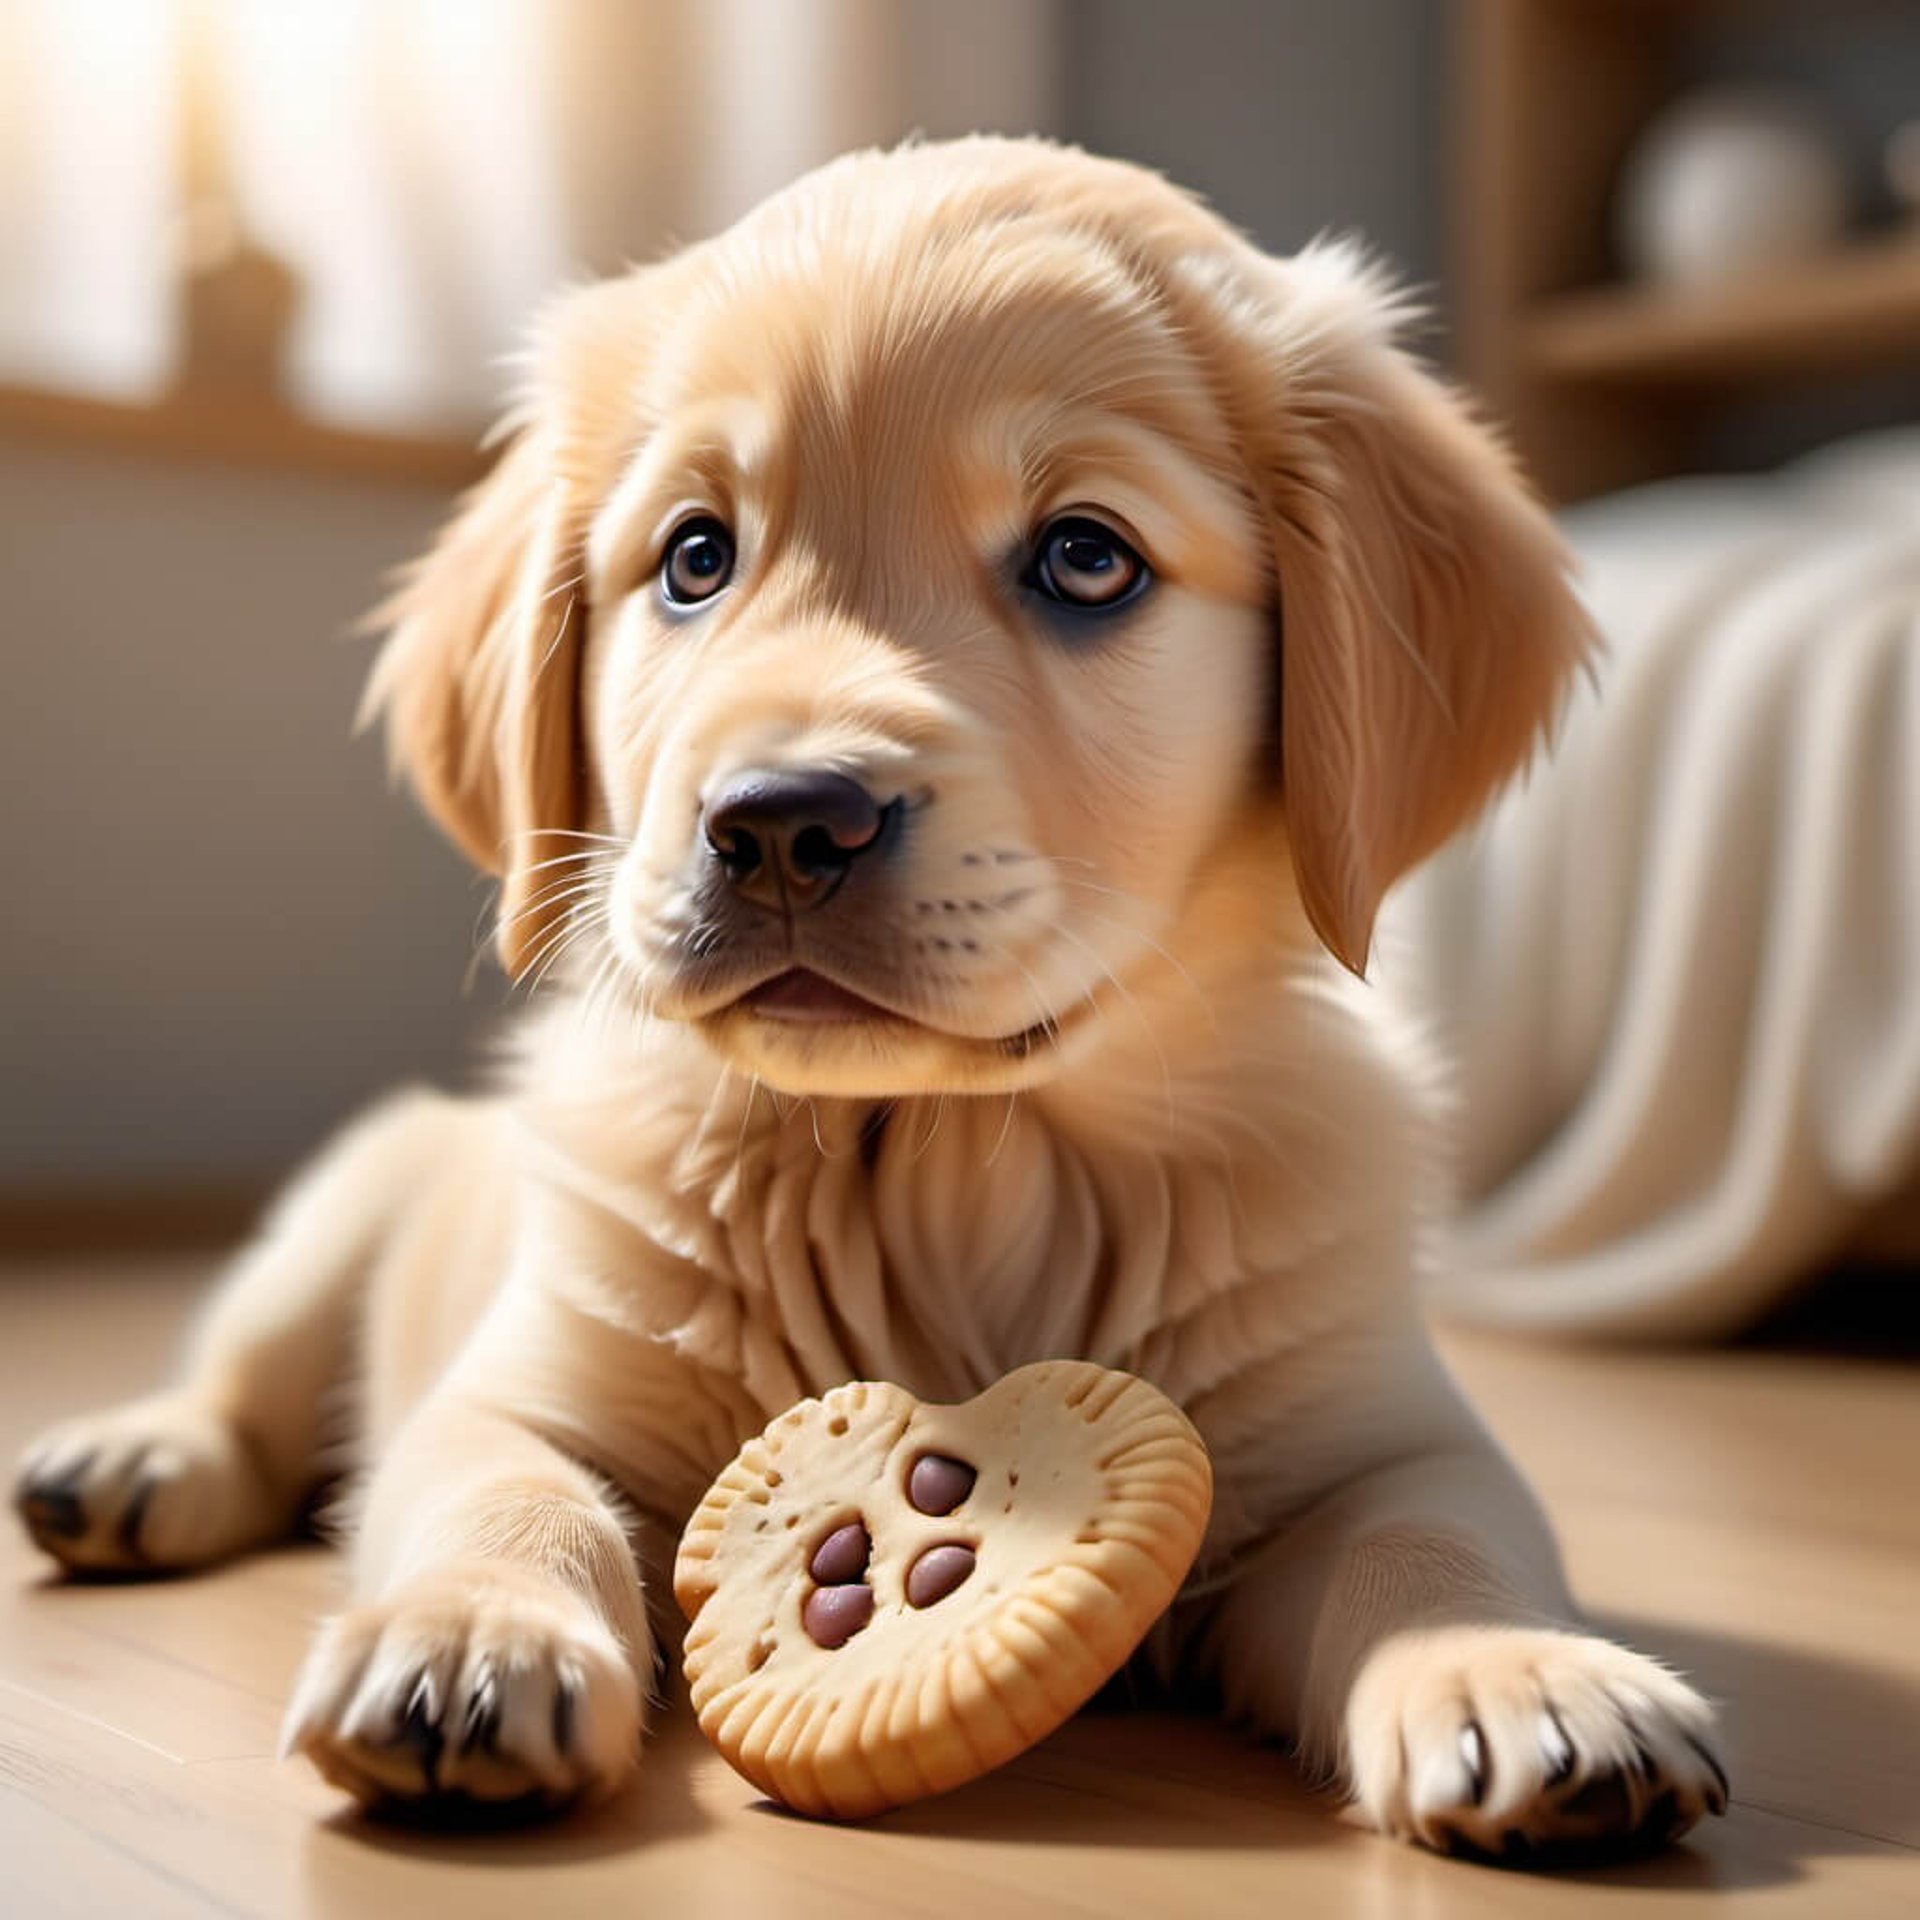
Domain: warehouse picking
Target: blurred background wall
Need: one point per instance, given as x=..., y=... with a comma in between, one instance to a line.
x=1290, y=117
x=260, y=261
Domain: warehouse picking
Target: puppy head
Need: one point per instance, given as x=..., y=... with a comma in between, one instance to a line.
x=887, y=616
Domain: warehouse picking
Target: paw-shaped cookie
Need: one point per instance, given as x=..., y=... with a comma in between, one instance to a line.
x=888, y=1599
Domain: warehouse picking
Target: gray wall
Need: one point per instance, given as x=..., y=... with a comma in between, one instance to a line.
x=1291, y=116
x=218, y=929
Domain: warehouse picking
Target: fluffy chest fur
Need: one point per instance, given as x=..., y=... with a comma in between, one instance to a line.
x=1235, y=1228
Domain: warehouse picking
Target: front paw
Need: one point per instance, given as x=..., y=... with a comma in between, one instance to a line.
x=159, y=1485
x=476, y=1683
x=1528, y=1744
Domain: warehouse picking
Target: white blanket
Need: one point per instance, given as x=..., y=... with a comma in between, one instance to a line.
x=1679, y=969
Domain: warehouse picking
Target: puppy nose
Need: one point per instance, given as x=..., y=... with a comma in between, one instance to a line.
x=788, y=837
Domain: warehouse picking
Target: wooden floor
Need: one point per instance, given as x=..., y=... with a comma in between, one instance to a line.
x=1754, y=1515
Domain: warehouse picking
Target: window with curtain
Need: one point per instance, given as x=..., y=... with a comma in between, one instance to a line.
x=390, y=187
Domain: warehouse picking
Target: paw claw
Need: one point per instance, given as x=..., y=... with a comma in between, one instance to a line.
x=420, y=1732
x=1473, y=1751
x=134, y=1518
x=51, y=1505
x=480, y=1729
x=566, y=1708
x=1558, y=1748
x=1723, y=1791
x=1605, y=1801
x=474, y=1687
x=1531, y=1745
x=162, y=1484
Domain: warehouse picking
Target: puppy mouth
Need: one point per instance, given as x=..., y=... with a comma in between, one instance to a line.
x=799, y=997
x=806, y=998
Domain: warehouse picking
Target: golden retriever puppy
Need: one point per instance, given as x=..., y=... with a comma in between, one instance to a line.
x=942, y=672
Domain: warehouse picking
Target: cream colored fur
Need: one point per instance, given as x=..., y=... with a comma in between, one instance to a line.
x=1133, y=1111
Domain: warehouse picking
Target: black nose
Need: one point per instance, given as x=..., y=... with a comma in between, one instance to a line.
x=786, y=838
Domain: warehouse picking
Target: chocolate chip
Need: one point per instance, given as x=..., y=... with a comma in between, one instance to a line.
x=833, y=1615
x=937, y=1572
x=841, y=1556
x=938, y=1484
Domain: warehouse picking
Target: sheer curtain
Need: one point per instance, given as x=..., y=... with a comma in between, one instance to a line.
x=431, y=168
x=1679, y=968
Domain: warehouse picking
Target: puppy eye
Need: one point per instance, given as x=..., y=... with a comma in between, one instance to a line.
x=698, y=562
x=1080, y=563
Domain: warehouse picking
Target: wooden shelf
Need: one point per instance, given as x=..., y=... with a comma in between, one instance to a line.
x=1851, y=307
x=1600, y=385
x=241, y=431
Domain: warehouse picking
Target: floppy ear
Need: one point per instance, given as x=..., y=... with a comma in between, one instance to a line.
x=478, y=683
x=1428, y=625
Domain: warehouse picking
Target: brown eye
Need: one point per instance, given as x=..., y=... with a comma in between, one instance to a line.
x=1081, y=563
x=698, y=562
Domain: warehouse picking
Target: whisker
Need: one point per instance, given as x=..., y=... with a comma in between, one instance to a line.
x=549, y=957
x=1047, y=1017
x=1145, y=939
x=576, y=857
x=1006, y=1127
x=562, y=887
x=596, y=1002
x=563, y=833
x=1139, y=1013
x=746, y=1119
x=712, y=1110
x=933, y=1127
x=570, y=930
